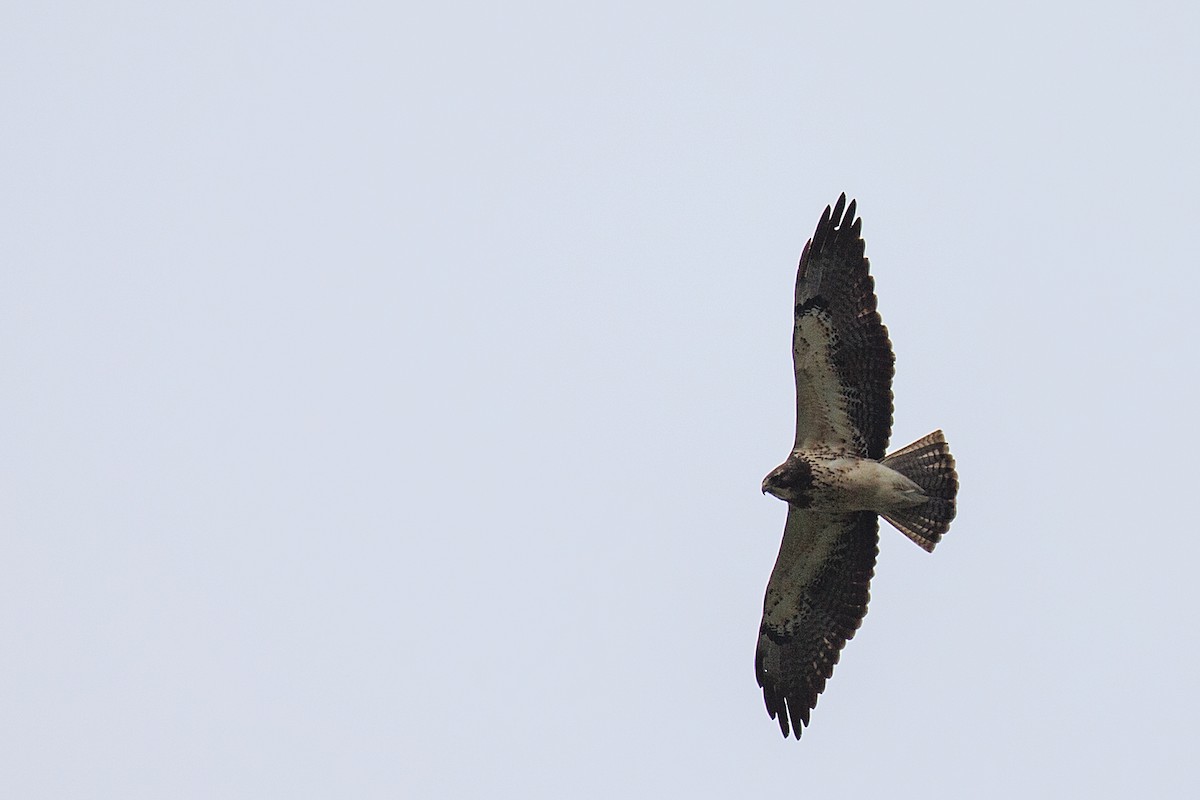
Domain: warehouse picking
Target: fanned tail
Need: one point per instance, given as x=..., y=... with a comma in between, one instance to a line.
x=926, y=462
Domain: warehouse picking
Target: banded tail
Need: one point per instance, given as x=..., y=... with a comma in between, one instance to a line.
x=926, y=462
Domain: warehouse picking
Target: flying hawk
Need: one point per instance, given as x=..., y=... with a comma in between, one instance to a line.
x=838, y=479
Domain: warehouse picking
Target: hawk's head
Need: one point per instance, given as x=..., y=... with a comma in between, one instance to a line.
x=791, y=481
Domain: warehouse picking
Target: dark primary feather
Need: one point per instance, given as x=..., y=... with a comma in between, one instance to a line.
x=833, y=283
x=816, y=600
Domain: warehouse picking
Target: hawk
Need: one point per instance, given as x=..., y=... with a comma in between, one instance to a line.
x=838, y=479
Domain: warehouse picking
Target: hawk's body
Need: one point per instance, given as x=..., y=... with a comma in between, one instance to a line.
x=837, y=480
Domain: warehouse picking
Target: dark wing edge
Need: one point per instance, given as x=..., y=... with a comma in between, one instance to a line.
x=815, y=601
x=834, y=280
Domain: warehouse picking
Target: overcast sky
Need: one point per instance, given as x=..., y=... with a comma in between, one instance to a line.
x=387, y=391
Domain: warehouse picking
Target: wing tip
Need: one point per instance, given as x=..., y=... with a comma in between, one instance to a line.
x=845, y=210
x=839, y=223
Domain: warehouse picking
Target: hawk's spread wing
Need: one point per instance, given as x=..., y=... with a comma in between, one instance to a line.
x=816, y=599
x=843, y=358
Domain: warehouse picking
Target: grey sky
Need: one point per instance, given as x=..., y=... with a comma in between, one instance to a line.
x=387, y=393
